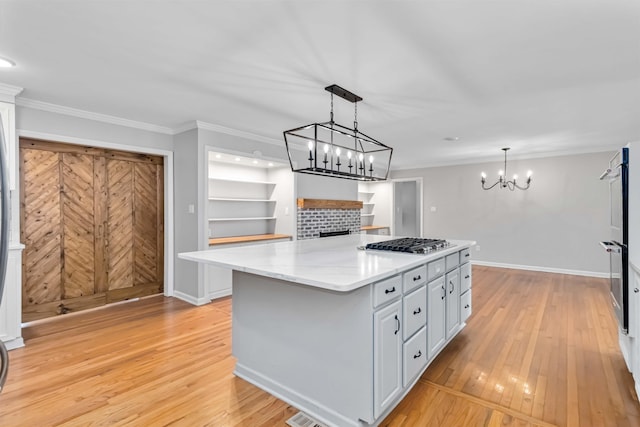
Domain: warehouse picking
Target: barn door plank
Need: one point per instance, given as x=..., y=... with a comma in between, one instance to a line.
x=120, y=223
x=41, y=229
x=78, y=243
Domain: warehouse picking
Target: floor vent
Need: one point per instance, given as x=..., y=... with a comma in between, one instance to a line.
x=303, y=420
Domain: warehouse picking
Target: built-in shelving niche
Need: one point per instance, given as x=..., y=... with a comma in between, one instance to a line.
x=376, y=207
x=249, y=201
x=248, y=197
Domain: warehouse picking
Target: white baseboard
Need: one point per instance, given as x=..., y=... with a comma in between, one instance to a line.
x=220, y=294
x=543, y=269
x=190, y=299
x=13, y=343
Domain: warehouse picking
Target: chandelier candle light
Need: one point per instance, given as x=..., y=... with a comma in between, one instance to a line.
x=502, y=180
x=368, y=159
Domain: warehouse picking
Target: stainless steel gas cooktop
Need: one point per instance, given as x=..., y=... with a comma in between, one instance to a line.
x=413, y=245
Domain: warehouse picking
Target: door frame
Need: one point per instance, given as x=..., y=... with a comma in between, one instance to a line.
x=418, y=181
x=167, y=156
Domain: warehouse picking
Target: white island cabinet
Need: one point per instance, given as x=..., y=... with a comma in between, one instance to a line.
x=338, y=332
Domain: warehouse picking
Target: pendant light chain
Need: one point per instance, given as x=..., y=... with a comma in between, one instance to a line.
x=355, y=117
x=331, y=116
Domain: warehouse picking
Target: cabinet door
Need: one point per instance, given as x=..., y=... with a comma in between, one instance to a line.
x=453, y=301
x=436, y=316
x=387, y=357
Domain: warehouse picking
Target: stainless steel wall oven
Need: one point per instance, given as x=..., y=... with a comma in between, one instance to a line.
x=618, y=176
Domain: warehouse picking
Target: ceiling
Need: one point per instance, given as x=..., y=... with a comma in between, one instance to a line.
x=540, y=76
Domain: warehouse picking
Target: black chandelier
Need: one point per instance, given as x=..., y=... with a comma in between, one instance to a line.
x=502, y=180
x=331, y=149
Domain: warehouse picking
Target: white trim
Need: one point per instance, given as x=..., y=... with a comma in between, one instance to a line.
x=542, y=269
x=190, y=298
x=185, y=127
x=220, y=294
x=235, y=132
x=493, y=158
x=13, y=343
x=105, y=118
x=8, y=93
x=168, y=190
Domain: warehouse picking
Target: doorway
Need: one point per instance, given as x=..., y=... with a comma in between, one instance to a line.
x=407, y=208
x=92, y=220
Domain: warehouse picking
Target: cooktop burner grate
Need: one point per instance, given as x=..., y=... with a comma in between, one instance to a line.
x=410, y=244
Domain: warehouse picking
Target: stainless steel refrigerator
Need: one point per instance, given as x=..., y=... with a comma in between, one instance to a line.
x=4, y=243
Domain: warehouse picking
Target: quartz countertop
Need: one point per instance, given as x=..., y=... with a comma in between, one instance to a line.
x=333, y=263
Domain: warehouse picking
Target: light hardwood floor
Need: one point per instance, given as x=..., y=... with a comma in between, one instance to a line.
x=540, y=350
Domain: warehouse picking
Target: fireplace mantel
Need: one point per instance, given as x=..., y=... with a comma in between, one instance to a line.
x=329, y=204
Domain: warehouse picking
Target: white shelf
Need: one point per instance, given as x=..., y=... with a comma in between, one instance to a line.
x=229, y=199
x=366, y=192
x=262, y=218
x=368, y=204
x=242, y=181
x=367, y=214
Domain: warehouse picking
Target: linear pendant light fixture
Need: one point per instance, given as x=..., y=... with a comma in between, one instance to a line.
x=338, y=151
x=502, y=180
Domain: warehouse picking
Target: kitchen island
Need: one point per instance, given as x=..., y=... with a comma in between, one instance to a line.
x=339, y=332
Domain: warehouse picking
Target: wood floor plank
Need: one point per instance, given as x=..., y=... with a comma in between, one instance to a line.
x=540, y=350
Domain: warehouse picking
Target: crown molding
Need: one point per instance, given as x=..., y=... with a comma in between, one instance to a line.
x=105, y=118
x=493, y=158
x=196, y=124
x=235, y=132
x=8, y=93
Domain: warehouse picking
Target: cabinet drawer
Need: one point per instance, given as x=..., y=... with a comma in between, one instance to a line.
x=465, y=306
x=386, y=290
x=413, y=279
x=415, y=356
x=414, y=311
x=465, y=277
x=452, y=261
x=435, y=268
x=465, y=255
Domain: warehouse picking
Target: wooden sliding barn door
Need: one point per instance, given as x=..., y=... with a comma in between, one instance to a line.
x=92, y=223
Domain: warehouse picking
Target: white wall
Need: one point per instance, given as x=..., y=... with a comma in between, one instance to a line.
x=187, y=176
x=556, y=224
x=75, y=127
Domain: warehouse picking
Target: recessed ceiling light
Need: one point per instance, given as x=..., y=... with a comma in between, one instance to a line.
x=237, y=159
x=218, y=156
x=6, y=63
x=255, y=162
x=451, y=138
x=270, y=164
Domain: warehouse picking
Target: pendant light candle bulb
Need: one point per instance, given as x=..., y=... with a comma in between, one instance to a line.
x=501, y=172
x=326, y=150
x=529, y=173
x=310, y=154
x=515, y=177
